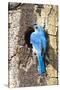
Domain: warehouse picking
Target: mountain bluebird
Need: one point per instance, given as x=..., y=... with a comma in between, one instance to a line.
x=39, y=42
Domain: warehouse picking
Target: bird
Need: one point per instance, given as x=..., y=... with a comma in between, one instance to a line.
x=39, y=43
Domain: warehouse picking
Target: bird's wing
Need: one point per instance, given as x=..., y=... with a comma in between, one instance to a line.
x=44, y=42
x=36, y=42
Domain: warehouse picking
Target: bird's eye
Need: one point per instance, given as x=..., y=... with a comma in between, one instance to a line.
x=36, y=27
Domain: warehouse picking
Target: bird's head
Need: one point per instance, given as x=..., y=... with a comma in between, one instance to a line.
x=37, y=27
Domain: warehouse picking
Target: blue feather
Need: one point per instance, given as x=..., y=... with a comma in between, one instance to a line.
x=38, y=40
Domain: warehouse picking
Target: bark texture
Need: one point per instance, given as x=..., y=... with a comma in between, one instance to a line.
x=20, y=18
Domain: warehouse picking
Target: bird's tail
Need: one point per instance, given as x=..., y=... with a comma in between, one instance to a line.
x=41, y=65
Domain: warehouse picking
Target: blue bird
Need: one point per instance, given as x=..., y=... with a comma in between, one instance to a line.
x=39, y=42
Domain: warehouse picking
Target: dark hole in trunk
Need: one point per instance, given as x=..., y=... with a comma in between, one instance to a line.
x=27, y=35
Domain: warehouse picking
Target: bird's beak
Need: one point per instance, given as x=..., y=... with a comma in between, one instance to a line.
x=34, y=24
